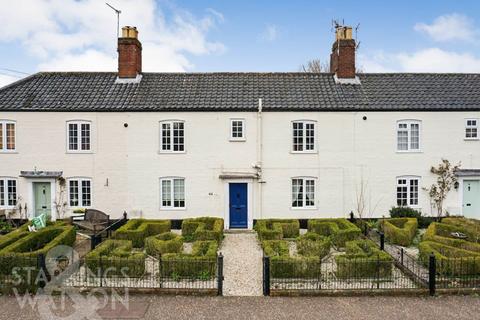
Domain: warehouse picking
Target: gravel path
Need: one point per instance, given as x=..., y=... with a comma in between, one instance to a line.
x=242, y=265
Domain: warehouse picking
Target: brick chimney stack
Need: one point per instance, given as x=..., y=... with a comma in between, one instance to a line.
x=129, y=53
x=342, y=58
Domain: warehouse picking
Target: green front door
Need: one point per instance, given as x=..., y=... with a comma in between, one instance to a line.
x=471, y=198
x=41, y=191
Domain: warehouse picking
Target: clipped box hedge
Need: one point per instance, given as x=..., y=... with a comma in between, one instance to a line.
x=136, y=230
x=471, y=226
x=313, y=245
x=203, y=228
x=441, y=233
x=201, y=264
x=450, y=260
x=167, y=242
x=363, y=260
x=399, y=231
x=115, y=258
x=339, y=230
x=277, y=229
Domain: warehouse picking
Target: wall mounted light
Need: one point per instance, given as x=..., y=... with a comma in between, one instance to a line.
x=456, y=185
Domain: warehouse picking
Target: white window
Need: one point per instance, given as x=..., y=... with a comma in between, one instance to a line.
x=79, y=136
x=407, y=191
x=303, y=136
x=8, y=192
x=7, y=136
x=408, y=135
x=303, y=192
x=471, y=129
x=237, y=129
x=172, y=193
x=80, y=192
x=172, y=136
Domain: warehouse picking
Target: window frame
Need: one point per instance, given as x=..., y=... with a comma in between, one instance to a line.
x=409, y=123
x=243, y=137
x=80, y=192
x=477, y=126
x=4, y=123
x=304, y=131
x=409, y=198
x=171, y=130
x=4, y=181
x=304, y=180
x=79, y=124
x=172, y=194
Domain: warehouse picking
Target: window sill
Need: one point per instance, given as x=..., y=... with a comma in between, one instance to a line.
x=237, y=139
x=471, y=139
x=302, y=208
x=80, y=152
x=408, y=151
x=172, y=152
x=303, y=152
x=172, y=209
x=9, y=152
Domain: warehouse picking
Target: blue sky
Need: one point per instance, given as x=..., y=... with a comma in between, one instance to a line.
x=221, y=35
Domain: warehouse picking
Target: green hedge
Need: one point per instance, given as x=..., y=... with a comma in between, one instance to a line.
x=313, y=245
x=25, y=250
x=471, y=226
x=204, y=228
x=399, y=231
x=115, y=258
x=363, y=260
x=277, y=229
x=295, y=267
x=441, y=233
x=167, y=242
x=450, y=260
x=136, y=230
x=339, y=230
x=201, y=264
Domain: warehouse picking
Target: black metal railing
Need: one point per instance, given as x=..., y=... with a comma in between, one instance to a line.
x=105, y=233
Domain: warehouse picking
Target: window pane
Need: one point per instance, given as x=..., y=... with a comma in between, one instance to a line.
x=237, y=129
x=297, y=193
x=166, y=193
x=12, y=192
x=415, y=136
x=297, y=136
x=309, y=136
x=85, y=136
x=309, y=193
x=2, y=192
x=179, y=193
x=166, y=138
x=402, y=192
x=178, y=139
x=402, y=139
x=1, y=136
x=86, y=193
x=10, y=136
x=73, y=190
x=72, y=136
x=414, y=192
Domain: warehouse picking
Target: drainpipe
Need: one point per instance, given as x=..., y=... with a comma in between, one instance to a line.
x=259, y=163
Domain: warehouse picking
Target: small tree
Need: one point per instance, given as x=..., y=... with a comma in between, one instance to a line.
x=315, y=66
x=446, y=179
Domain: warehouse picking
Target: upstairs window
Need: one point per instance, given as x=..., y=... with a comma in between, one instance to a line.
x=172, y=136
x=303, y=193
x=408, y=135
x=237, y=129
x=471, y=129
x=172, y=193
x=7, y=136
x=303, y=136
x=407, y=191
x=79, y=136
x=8, y=192
x=80, y=192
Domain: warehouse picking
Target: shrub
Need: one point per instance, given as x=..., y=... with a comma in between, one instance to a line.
x=442, y=233
x=399, y=231
x=277, y=229
x=450, y=260
x=275, y=248
x=167, y=242
x=204, y=228
x=406, y=212
x=115, y=258
x=363, y=259
x=339, y=230
x=313, y=245
x=136, y=230
x=471, y=226
x=200, y=264
x=294, y=267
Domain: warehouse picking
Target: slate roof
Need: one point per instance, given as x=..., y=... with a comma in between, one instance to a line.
x=97, y=91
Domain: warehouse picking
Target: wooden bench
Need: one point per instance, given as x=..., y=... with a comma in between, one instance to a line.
x=93, y=220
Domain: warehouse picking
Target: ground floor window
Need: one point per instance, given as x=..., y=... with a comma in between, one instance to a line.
x=172, y=193
x=80, y=192
x=407, y=191
x=303, y=192
x=8, y=192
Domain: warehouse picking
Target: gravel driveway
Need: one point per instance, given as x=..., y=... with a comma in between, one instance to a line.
x=242, y=265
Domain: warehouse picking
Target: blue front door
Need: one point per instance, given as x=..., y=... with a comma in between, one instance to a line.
x=238, y=205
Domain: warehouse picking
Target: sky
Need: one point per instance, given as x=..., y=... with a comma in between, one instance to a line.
x=242, y=35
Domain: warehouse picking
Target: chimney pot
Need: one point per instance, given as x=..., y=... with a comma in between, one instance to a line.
x=342, y=58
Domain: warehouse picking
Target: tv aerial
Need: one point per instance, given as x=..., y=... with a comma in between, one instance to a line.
x=118, y=17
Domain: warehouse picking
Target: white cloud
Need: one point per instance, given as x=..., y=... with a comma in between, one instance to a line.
x=449, y=27
x=81, y=35
x=269, y=34
x=6, y=79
